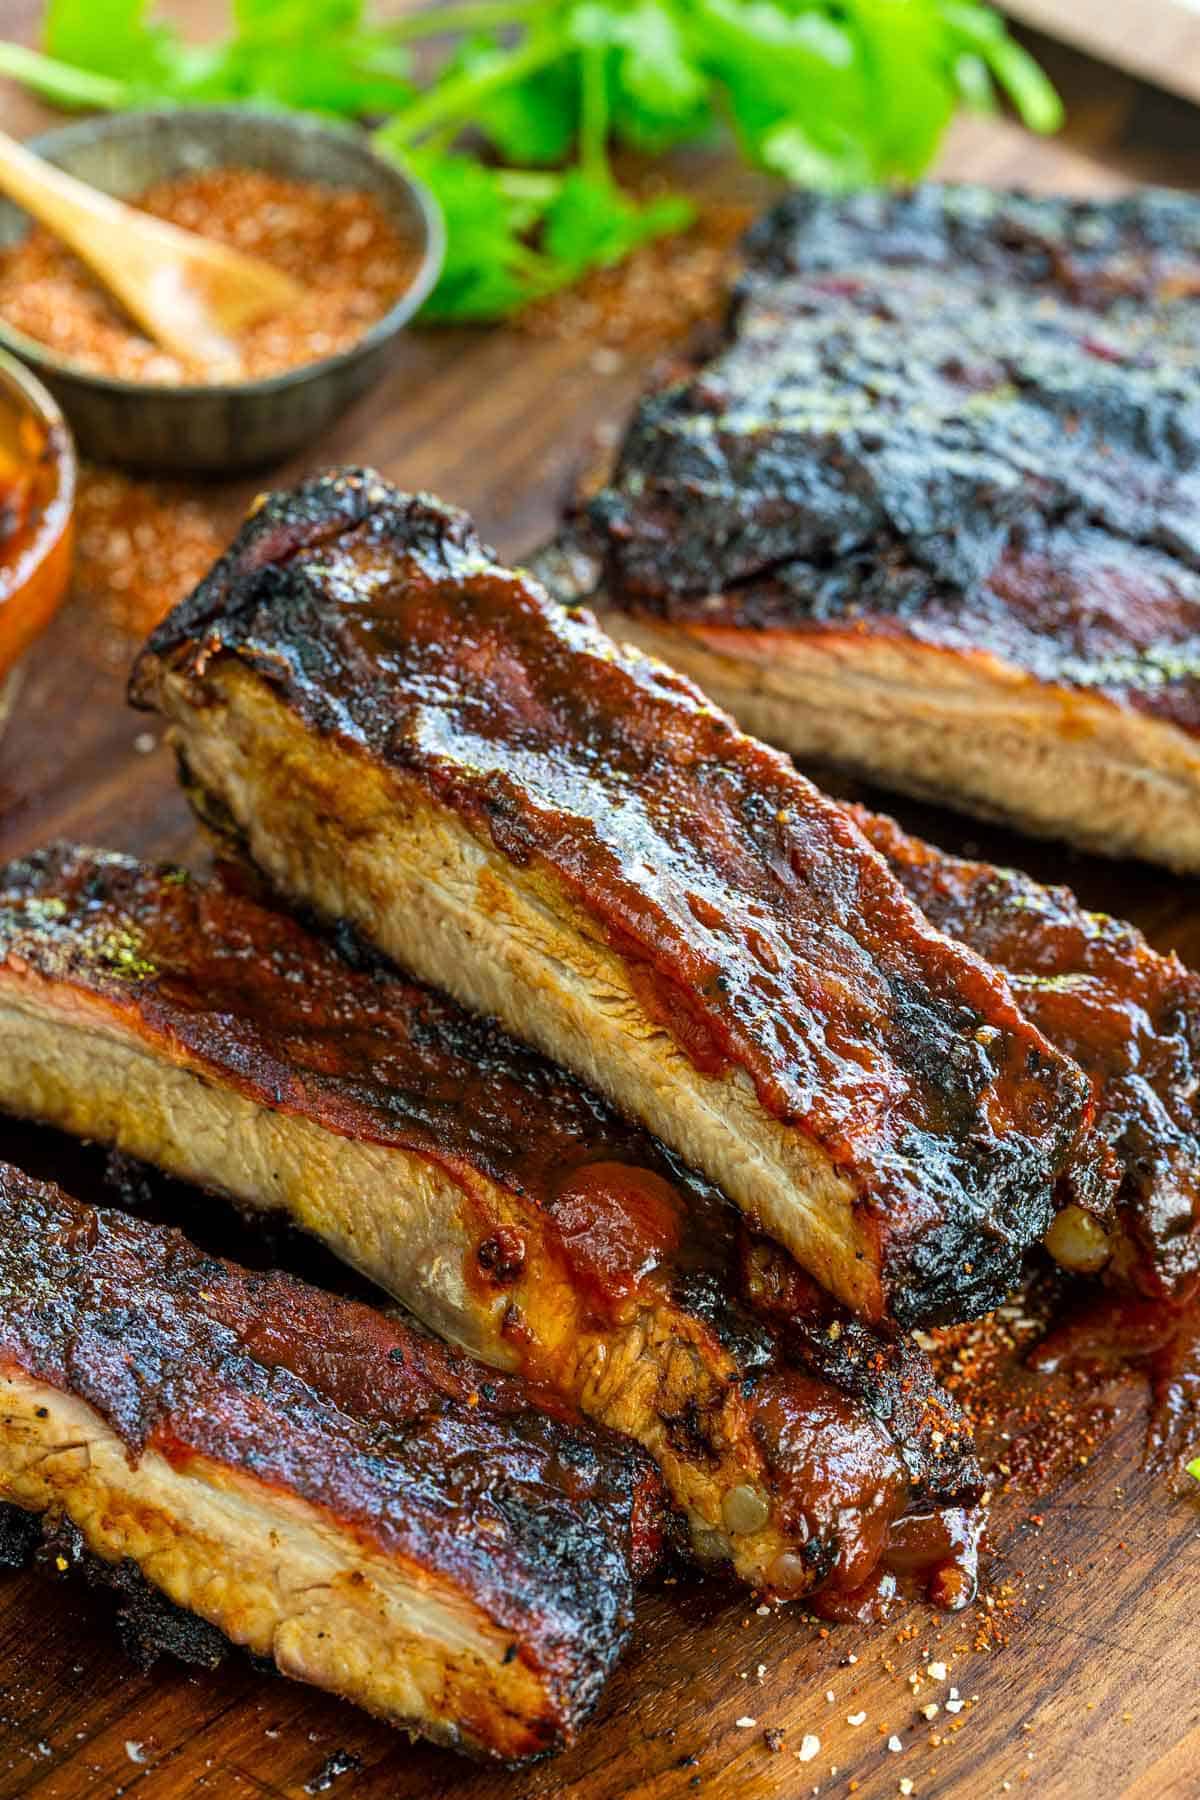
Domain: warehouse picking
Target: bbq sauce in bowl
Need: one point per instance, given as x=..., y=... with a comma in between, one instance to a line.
x=37, y=490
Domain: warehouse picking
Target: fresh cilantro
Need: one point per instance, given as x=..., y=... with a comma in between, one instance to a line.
x=592, y=224
x=489, y=267
x=494, y=217
x=112, y=37
x=508, y=108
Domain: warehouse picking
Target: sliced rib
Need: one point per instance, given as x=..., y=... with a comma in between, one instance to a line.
x=381, y=1516
x=198, y=1028
x=569, y=837
x=930, y=510
x=1127, y=1014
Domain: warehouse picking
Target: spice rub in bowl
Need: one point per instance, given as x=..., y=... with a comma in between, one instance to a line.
x=353, y=261
x=335, y=347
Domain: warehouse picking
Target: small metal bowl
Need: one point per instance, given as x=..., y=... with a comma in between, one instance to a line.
x=35, y=558
x=242, y=425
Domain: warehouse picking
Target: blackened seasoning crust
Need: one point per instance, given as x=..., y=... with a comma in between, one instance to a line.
x=194, y=1023
x=571, y=837
x=233, y=1433
x=148, y=1624
x=942, y=479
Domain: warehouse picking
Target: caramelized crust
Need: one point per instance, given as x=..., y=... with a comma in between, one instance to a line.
x=1012, y=472
x=384, y=712
x=192, y=1023
x=941, y=482
x=496, y=1539
x=1128, y=1015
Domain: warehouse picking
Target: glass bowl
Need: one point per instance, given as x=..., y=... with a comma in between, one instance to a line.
x=37, y=498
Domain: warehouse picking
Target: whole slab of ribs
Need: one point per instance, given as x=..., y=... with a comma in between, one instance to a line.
x=930, y=509
x=569, y=837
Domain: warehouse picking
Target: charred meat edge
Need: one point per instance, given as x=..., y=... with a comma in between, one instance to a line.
x=192, y=1025
x=570, y=838
x=381, y=1516
x=1129, y=1015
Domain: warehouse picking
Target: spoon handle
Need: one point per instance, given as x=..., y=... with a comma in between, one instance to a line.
x=126, y=250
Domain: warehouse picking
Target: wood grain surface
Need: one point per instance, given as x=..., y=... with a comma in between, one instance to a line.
x=1156, y=39
x=1097, y=1693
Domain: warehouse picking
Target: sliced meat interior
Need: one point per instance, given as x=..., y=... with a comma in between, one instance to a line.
x=569, y=837
x=195, y=1025
x=328, y=1487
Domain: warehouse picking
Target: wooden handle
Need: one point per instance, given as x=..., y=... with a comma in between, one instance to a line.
x=73, y=211
x=112, y=240
x=189, y=294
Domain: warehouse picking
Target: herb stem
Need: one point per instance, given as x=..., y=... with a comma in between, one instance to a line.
x=593, y=114
x=454, y=99
x=476, y=15
x=529, y=185
x=62, y=82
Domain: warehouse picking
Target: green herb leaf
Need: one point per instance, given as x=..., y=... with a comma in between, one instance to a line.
x=488, y=265
x=111, y=37
x=657, y=76
x=830, y=93
x=309, y=56
x=532, y=121
x=592, y=224
x=981, y=30
x=513, y=238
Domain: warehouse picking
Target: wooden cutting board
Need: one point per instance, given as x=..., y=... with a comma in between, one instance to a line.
x=1097, y=1691
x=1156, y=39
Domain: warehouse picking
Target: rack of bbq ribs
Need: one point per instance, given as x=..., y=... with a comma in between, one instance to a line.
x=660, y=1097
x=929, y=508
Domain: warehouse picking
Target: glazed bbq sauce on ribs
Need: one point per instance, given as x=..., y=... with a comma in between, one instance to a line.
x=953, y=415
x=754, y=922
x=860, y=1443
x=930, y=1550
x=543, y=1519
x=1127, y=1014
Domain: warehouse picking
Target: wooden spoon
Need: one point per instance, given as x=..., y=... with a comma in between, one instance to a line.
x=189, y=294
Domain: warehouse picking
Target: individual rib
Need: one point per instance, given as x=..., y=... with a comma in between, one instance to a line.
x=569, y=837
x=381, y=1516
x=194, y=1025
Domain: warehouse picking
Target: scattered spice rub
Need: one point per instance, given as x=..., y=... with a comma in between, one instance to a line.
x=339, y=243
x=140, y=546
x=568, y=836
x=192, y=1024
x=652, y=298
x=325, y=1485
